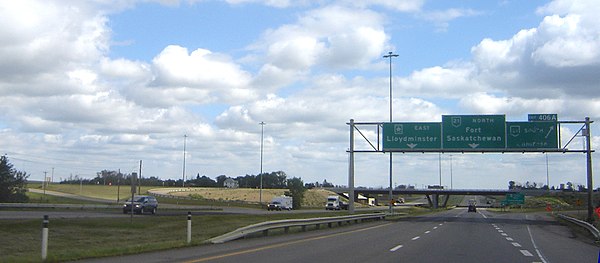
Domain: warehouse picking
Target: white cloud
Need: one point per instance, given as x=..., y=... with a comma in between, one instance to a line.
x=328, y=37
x=558, y=58
x=442, y=18
x=200, y=68
x=569, y=43
x=397, y=5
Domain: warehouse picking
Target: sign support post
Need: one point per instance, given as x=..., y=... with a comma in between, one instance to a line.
x=588, y=144
x=351, y=169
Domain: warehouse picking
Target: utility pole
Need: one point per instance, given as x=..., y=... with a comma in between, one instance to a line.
x=184, y=141
x=44, y=183
x=390, y=55
x=118, y=185
x=262, y=131
x=140, y=179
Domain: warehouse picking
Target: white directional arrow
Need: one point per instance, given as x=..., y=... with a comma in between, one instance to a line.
x=549, y=131
x=412, y=145
x=473, y=145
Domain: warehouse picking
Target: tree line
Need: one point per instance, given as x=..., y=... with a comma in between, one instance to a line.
x=568, y=186
x=276, y=179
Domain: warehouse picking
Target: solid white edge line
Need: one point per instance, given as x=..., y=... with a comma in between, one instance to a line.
x=535, y=246
x=396, y=248
x=482, y=214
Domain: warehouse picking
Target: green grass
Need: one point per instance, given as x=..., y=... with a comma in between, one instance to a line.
x=95, y=191
x=72, y=239
x=50, y=199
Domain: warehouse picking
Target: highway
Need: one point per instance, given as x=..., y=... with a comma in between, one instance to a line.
x=451, y=236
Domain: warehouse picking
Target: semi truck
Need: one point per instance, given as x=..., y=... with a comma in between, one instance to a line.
x=334, y=202
x=280, y=203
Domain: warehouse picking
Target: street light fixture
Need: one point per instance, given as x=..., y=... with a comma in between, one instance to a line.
x=390, y=55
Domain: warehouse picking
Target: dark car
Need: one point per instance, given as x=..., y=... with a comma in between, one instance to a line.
x=472, y=208
x=141, y=204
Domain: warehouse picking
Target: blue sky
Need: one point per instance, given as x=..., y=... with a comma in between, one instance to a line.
x=93, y=85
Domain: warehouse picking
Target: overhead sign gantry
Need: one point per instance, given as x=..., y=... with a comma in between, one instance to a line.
x=472, y=133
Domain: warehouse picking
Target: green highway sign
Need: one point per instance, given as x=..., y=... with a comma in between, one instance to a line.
x=412, y=135
x=542, y=117
x=536, y=135
x=474, y=131
x=516, y=198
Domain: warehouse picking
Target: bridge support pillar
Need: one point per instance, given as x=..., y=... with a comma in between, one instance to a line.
x=429, y=200
x=446, y=201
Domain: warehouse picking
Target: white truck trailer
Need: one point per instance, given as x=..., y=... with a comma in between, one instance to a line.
x=280, y=203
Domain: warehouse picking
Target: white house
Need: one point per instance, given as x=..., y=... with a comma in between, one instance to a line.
x=230, y=183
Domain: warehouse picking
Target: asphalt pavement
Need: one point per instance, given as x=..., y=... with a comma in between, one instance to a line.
x=451, y=236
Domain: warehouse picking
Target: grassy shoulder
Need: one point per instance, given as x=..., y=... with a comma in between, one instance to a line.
x=73, y=239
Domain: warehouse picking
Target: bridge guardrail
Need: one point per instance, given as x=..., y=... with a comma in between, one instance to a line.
x=264, y=227
x=589, y=227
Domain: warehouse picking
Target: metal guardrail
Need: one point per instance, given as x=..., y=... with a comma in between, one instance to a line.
x=589, y=227
x=286, y=224
x=56, y=206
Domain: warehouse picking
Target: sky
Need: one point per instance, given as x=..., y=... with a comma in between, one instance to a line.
x=99, y=85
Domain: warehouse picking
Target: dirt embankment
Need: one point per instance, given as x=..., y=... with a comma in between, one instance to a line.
x=312, y=197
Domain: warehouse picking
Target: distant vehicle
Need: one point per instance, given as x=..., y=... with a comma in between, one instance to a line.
x=334, y=202
x=343, y=205
x=441, y=187
x=141, y=204
x=280, y=203
x=399, y=201
x=472, y=206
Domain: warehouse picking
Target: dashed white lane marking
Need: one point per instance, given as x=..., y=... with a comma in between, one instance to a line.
x=516, y=244
x=526, y=253
x=435, y=227
x=504, y=234
x=509, y=239
x=396, y=248
x=415, y=238
x=427, y=232
x=500, y=231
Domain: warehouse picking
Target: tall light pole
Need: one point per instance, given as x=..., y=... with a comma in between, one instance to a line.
x=451, y=187
x=547, y=173
x=183, y=173
x=440, y=166
x=390, y=55
x=262, y=132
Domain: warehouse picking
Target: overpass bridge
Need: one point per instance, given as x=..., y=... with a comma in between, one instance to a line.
x=433, y=195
